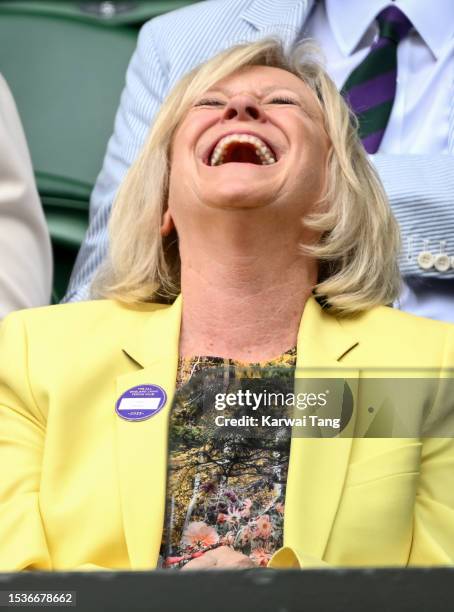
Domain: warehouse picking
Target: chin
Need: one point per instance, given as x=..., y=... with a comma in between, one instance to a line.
x=238, y=197
x=239, y=202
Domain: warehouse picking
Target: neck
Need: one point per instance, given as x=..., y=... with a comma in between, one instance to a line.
x=246, y=305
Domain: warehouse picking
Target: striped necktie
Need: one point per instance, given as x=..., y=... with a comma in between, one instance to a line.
x=371, y=87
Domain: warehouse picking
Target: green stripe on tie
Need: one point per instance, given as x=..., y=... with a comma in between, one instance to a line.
x=374, y=119
x=378, y=62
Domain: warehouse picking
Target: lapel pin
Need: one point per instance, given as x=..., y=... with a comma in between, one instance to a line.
x=140, y=402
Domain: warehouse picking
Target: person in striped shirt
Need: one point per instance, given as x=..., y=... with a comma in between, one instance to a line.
x=415, y=155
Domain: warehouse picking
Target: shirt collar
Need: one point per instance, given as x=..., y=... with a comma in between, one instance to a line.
x=349, y=20
x=432, y=19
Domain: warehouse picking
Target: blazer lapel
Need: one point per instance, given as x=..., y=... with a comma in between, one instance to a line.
x=318, y=466
x=142, y=445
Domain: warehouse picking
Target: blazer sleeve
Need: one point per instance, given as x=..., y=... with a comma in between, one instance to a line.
x=419, y=189
x=290, y=558
x=22, y=432
x=23, y=544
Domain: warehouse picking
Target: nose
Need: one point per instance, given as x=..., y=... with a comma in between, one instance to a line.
x=243, y=108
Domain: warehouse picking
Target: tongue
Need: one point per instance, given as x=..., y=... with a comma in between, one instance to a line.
x=241, y=153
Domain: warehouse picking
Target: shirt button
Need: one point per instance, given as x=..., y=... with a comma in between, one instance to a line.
x=425, y=260
x=442, y=262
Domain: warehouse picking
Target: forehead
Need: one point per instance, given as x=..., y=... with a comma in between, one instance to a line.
x=259, y=80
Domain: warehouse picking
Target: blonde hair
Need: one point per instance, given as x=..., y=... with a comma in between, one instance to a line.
x=359, y=244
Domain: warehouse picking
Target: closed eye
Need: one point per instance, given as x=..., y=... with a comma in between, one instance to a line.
x=282, y=100
x=209, y=102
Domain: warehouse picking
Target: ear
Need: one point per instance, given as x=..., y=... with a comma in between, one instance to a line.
x=168, y=225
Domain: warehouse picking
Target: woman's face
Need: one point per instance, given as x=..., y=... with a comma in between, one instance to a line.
x=256, y=139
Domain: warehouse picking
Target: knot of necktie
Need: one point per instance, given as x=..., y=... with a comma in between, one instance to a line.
x=392, y=25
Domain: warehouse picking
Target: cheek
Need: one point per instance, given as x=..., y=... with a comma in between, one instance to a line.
x=309, y=164
x=179, y=167
x=183, y=146
x=181, y=180
x=180, y=143
x=313, y=148
x=175, y=181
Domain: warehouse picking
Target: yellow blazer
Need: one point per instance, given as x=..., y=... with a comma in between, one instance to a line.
x=81, y=488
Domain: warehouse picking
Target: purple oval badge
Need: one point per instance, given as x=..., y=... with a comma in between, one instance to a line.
x=141, y=402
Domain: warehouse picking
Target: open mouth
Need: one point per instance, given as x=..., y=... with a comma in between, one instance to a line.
x=243, y=149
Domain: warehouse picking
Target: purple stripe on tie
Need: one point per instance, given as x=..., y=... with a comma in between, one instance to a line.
x=372, y=92
x=372, y=141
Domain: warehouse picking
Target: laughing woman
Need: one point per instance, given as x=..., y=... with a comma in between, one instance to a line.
x=250, y=232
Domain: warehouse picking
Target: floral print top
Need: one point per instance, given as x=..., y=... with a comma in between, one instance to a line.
x=227, y=489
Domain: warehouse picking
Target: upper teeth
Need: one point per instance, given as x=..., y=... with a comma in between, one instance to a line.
x=261, y=149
